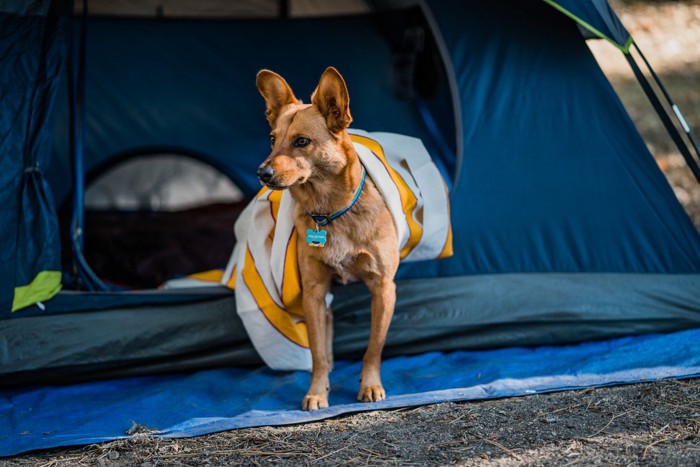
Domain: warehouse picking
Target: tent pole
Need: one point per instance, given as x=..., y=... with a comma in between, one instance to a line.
x=78, y=124
x=665, y=119
x=676, y=110
x=454, y=88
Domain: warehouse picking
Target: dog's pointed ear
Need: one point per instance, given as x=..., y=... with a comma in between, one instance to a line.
x=276, y=92
x=332, y=100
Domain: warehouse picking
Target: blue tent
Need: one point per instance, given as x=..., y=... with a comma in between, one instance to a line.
x=565, y=229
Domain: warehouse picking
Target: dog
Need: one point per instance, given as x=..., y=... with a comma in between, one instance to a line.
x=350, y=233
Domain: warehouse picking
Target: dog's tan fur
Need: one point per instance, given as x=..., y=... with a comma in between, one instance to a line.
x=362, y=244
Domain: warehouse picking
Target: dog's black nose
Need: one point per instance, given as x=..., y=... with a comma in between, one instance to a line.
x=265, y=173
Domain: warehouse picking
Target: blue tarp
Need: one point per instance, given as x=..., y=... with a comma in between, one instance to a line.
x=223, y=399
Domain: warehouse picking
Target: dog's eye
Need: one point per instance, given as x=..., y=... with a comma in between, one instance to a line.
x=272, y=140
x=301, y=142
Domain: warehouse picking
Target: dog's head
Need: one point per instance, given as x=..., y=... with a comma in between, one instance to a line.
x=307, y=140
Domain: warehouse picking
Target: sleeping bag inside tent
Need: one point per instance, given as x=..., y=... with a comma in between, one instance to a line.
x=136, y=139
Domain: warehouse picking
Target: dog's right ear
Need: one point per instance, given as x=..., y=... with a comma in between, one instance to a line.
x=332, y=100
x=276, y=92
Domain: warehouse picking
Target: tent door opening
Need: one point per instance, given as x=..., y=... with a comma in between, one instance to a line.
x=155, y=216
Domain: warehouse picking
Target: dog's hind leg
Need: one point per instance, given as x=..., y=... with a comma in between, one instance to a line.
x=383, y=300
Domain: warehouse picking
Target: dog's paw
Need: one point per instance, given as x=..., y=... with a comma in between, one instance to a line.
x=371, y=394
x=314, y=402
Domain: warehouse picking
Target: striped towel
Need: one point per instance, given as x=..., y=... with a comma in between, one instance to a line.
x=263, y=267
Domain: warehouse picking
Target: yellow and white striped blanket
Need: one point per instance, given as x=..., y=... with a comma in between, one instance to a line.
x=263, y=266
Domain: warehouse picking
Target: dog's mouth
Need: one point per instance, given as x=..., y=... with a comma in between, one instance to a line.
x=276, y=186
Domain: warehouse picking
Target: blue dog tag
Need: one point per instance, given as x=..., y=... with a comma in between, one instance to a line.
x=316, y=238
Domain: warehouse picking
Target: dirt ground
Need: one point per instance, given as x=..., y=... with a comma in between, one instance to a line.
x=644, y=424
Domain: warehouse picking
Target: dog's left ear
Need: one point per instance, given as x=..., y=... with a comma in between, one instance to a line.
x=332, y=100
x=276, y=92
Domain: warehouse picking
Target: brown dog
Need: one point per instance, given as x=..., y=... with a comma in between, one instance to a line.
x=313, y=157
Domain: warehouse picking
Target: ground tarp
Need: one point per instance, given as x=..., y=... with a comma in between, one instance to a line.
x=208, y=401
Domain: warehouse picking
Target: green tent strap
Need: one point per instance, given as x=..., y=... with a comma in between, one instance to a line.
x=625, y=48
x=45, y=285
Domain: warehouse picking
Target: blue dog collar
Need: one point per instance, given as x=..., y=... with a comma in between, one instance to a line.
x=325, y=219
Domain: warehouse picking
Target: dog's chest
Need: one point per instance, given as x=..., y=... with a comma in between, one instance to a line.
x=349, y=262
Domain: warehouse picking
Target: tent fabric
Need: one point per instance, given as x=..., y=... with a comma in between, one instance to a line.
x=188, y=86
x=597, y=19
x=45, y=417
x=441, y=314
x=32, y=55
x=543, y=129
x=71, y=301
x=224, y=8
x=554, y=177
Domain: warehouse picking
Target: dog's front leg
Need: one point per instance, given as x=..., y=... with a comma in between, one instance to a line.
x=316, y=281
x=383, y=300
